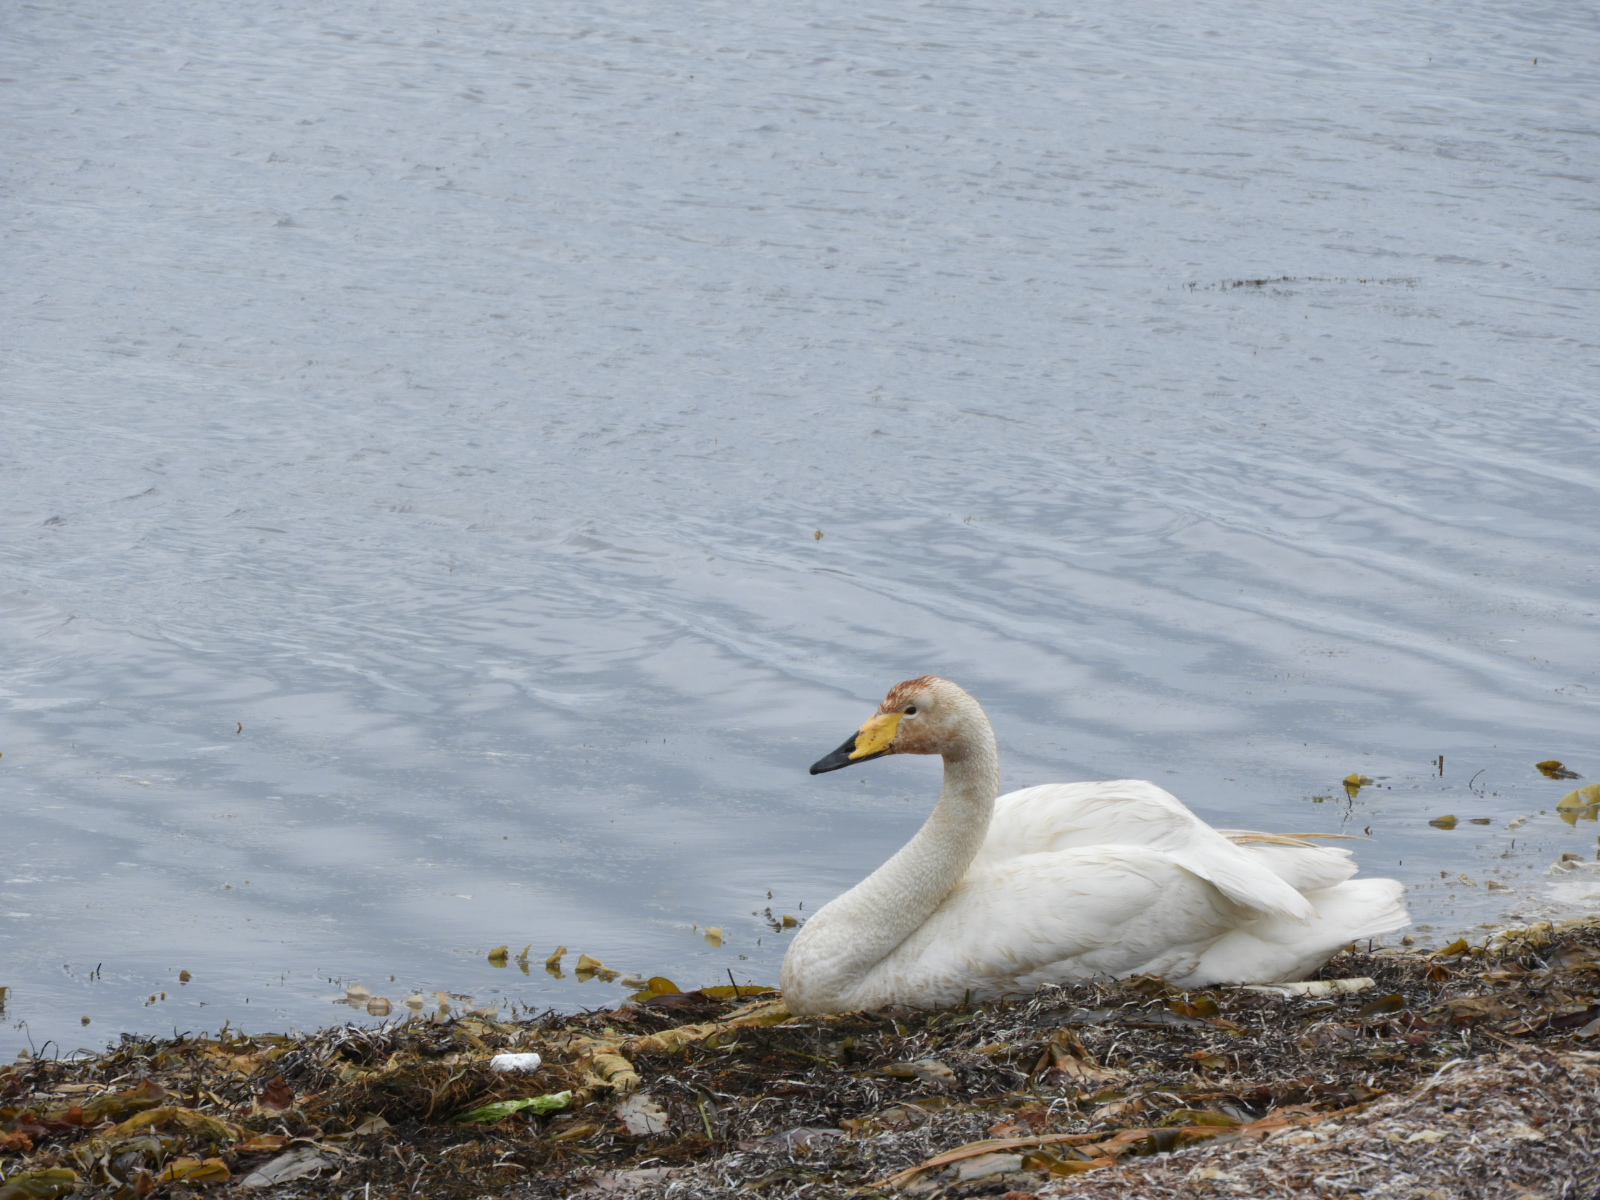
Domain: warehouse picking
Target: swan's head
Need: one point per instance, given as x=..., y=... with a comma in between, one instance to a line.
x=920, y=716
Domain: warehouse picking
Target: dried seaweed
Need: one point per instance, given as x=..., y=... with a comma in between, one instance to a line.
x=1468, y=1071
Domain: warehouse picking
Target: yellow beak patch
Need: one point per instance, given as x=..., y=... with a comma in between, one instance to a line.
x=876, y=735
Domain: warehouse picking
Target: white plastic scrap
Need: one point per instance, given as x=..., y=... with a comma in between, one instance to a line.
x=515, y=1062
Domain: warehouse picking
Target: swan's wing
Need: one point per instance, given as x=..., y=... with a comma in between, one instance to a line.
x=1303, y=865
x=1115, y=910
x=1073, y=914
x=1063, y=816
x=1133, y=812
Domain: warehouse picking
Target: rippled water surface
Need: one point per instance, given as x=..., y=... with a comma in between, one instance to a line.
x=463, y=461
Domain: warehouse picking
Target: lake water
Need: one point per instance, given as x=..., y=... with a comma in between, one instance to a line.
x=462, y=462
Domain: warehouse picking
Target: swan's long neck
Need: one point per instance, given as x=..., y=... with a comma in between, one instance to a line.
x=842, y=943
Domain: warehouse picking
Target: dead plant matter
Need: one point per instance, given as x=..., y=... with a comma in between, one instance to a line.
x=1080, y=1089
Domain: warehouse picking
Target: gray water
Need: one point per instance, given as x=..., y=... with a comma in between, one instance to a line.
x=462, y=462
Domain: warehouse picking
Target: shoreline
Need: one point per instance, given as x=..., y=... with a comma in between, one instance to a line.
x=1473, y=1071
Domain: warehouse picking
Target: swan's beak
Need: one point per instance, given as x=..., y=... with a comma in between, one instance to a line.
x=872, y=740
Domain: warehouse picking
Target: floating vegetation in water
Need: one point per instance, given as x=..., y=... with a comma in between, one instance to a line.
x=1551, y=769
x=1581, y=805
x=590, y=968
x=1464, y=1067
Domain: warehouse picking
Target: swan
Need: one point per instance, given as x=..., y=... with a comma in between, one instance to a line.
x=1064, y=881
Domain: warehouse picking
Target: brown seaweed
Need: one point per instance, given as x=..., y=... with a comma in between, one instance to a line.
x=712, y=1093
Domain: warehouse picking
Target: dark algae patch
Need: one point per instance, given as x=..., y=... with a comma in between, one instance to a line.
x=1472, y=1072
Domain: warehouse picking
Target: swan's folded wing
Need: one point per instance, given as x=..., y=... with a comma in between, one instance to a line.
x=1065, y=816
x=1303, y=865
x=1104, y=910
x=1134, y=812
x=1117, y=911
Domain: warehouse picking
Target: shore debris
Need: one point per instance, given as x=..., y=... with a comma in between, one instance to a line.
x=1469, y=1073
x=528, y=1061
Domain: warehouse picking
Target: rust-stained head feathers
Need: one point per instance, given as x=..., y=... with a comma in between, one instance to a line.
x=903, y=694
x=919, y=716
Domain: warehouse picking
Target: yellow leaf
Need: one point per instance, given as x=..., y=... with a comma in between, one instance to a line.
x=1444, y=822
x=1200, y=1116
x=214, y=1129
x=744, y=991
x=195, y=1170
x=1581, y=805
x=1353, y=783
x=657, y=985
x=39, y=1185
x=499, y=956
x=588, y=968
x=1039, y=1160
x=1582, y=798
x=713, y=935
x=1551, y=769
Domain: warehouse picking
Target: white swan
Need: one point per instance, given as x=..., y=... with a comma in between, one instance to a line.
x=1063, y=881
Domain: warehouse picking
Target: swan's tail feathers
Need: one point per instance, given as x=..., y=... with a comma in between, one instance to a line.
x=1273, y=950
x=1302, y=864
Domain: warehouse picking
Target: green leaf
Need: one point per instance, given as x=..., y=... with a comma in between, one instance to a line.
x=539, y=1105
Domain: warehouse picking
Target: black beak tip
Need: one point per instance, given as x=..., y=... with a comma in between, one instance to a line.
x=839, y=758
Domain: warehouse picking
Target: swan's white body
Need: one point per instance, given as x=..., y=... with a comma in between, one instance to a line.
x=1068, y=881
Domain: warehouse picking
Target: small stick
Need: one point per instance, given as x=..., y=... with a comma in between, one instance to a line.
x=736, y=994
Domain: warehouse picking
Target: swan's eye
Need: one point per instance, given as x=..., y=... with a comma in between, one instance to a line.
x=911, y=710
